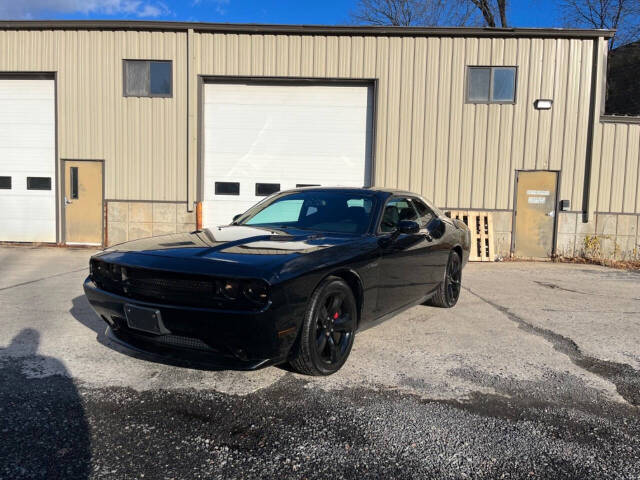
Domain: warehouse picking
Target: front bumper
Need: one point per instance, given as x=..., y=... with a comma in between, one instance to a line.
x=219, y=338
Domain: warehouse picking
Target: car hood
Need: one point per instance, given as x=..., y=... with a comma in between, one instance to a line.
x=228, y=250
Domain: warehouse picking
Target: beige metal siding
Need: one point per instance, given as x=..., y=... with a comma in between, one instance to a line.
x=142, y=140
x=427, y=138
x=616, y=186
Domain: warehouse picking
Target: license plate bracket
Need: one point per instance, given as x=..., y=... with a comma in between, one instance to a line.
x=145, y=319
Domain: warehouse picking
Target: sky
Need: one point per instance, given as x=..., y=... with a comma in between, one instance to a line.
x=523, y=13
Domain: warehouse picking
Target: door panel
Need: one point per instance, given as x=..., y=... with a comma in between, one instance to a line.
x=402, y=271
x=83, y=199
x=535, y=213
x=405, y=262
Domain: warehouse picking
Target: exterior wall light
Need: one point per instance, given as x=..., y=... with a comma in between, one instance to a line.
x=541, y=104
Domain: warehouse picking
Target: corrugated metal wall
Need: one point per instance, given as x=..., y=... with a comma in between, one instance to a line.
x=616, y=177
x=428, y=140
x=142, y=140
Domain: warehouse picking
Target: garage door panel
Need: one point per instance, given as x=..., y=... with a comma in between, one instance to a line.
x=297, y=146
x=36, y=206
x=282, y=134
x=27, y=149
x=26, y=89
x=12, y=135
x=279, y=118
x=32, y=111
x=18, y=159
x=275, y=167
x=283, y=95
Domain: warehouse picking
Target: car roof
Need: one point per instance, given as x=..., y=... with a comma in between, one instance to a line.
x=389, y=191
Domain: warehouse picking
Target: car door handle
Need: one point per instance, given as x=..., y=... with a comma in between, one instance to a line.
x=67, y=201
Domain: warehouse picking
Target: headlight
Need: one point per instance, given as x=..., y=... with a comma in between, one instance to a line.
x=256, y=292
x=230, y=289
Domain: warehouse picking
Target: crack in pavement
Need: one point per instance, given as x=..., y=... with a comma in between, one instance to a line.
x=41, y=279
x=554, y=286
x=623, y=376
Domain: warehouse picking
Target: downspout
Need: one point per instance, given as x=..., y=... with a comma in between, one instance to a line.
x=586, y=191
x=190, y=170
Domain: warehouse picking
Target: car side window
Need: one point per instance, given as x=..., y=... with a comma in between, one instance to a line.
x=424, y=212
x=396, y=210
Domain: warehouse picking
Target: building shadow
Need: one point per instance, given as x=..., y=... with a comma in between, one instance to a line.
x=43, y=426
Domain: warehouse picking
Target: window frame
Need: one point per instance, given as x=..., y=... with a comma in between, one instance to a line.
x=149, y=94
x=409, y=199
x=415, y=200
x=491, y=68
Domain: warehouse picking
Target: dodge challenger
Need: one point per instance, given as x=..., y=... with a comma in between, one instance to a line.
x=292, y=280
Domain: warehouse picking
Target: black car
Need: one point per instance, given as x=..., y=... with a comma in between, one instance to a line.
x=291, y=280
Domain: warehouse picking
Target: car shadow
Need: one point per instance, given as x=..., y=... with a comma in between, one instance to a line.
x=81, y=310
x=44, y=428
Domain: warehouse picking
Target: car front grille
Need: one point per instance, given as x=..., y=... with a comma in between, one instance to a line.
x=162, y=287
x=182, y=342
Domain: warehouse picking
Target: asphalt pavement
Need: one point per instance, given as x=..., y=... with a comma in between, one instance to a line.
x=534, y=374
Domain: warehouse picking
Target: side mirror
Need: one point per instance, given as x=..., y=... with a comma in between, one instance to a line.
x=436, y=228
x=235, y=217
x=408, y=227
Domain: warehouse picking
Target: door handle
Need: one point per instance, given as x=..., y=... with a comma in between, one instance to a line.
x=552, y=213
x=67, y=201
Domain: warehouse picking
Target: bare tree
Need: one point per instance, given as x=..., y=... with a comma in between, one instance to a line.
x=489, y=10
x=415, y=12
x=431, y=12
x=621, y=15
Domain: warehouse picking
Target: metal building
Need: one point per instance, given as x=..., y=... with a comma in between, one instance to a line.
x=111, y=131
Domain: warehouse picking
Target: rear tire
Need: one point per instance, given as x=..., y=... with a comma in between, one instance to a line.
x=328, y=329
x=448, y=291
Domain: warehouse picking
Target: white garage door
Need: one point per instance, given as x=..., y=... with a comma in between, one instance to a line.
x=27, y=161
x=260, y=138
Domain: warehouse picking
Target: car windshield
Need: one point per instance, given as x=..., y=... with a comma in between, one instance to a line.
x=323, y=211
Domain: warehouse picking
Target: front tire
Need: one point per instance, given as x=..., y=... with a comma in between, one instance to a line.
x=449, y=290
x=328, y=331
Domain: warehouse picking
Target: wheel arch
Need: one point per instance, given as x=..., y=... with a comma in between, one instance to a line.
x=353, y=280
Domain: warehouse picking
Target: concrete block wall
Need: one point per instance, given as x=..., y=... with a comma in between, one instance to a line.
x=615, y=235
x=502, y=227
x=130, y=220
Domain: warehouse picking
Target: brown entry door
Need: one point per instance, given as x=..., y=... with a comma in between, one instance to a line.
x=535, y=213
x=83, y=197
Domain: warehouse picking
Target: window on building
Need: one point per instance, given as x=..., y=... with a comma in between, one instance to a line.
x=264, y=189
x=491, y=84
x=38, y=183
x=5, y=183
x=74, y=182
x=227, y=188
x=147, y=78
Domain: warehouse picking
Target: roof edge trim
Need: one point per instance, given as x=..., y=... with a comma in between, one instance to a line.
x=302, y=29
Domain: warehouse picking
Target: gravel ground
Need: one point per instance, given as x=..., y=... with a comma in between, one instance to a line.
x=520, y=380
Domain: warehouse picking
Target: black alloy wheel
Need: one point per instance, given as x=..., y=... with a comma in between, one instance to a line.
x=449, y=290
x=328, y=331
